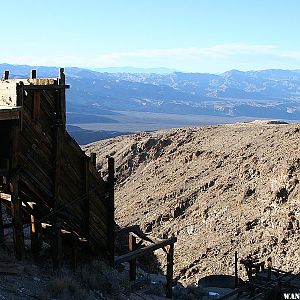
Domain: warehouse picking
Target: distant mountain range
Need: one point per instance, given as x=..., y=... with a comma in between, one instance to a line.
x=259, y=94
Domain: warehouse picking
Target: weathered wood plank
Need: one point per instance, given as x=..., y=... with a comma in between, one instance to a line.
x=46, y=87
x=16, y=203
x=170, y=264
x=128, y=256
x=132, y=262
x=2, y=240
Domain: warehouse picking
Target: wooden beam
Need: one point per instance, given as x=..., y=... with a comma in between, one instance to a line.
x=2, y=240
x=9, y=114
x=56, y=247
x=236, y=276
x=62, y=82
x=35, y=230
x=139, y=252
x=34, y=234
x=74, y=251
x=31, y=87
x=5, y=75
x=132, y=262
x=57, y=254
x=111, y=209
x=33, y=74
x=16, y=203
x=18, y=233
x=170, y=264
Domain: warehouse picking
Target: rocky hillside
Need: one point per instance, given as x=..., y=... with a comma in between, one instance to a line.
x=217, y=188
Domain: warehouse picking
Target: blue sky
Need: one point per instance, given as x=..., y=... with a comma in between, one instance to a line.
x=188, y=35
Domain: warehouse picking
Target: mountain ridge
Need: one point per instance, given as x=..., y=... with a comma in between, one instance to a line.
x=270, y=93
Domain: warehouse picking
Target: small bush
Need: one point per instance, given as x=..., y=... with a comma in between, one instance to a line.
x=98, y=275
x=65, y=288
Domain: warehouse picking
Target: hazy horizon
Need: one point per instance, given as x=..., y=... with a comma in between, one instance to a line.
x=165, y=69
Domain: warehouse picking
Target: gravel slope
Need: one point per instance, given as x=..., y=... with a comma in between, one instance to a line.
x=217, y=188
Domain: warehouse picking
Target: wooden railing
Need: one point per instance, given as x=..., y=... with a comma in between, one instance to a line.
x=134, y=252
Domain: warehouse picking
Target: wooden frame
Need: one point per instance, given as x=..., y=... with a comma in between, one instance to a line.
x=134, y=253
x=49, y=168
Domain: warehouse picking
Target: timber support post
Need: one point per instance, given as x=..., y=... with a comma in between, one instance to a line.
x=5, y=75
x=62, y=97
x=16, y=206
x=35, y=230
x=33, y=74
x=236, y=276
x=56, y=245
x=2, y=240
x=111, y=209
x=74, y=251
x=170, y=264
x=269, y=264
x=168, y=245
x=59, y=127
x=16, y=203
x=132, y=262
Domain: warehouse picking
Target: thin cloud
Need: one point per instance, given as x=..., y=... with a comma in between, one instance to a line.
x=218, y=51
x=216, y=58
x=209, y=59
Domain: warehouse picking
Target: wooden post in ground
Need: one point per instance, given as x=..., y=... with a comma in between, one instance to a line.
x=236, y=276
x=16, y=203
x=170, y=264
x=111, y=210
x=34, y=235
x=16, y=206
x=1, y=226
x=35, y=229
x=57, y=254
x=132, y=262
x=269, y=264
x=56, y=245
x=74, y=251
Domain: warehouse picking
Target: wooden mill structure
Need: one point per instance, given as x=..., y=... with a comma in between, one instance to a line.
x=46, y=180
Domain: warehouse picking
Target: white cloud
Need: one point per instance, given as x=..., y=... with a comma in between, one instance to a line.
x=216, y=58
x=191, y=58
x=218, y=51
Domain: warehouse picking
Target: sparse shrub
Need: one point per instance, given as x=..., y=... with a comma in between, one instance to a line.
x=65, y=288
x=98, y=275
